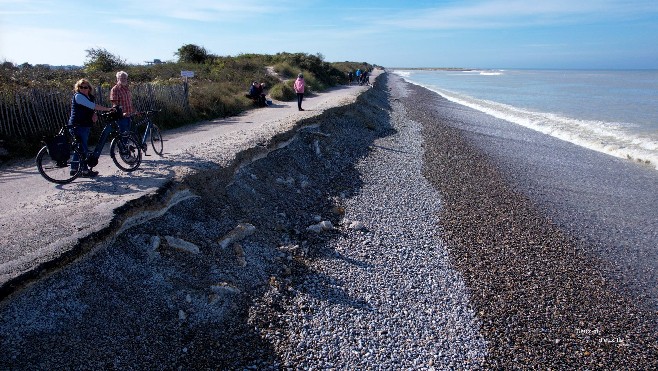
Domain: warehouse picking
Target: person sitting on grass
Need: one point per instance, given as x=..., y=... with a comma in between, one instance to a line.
x=256, y=93
x=261, y=94
x=252, y=90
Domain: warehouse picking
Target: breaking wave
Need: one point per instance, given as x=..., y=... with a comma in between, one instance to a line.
x=606, y=137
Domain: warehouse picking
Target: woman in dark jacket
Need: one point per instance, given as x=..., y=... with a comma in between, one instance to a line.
x=83, y=116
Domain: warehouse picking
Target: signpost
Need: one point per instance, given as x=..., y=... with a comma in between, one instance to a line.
x=186, y=74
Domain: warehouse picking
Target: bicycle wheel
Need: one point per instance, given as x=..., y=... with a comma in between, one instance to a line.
x=156, y=140
x=134, y=134
x=125, y=152
x=54, y=171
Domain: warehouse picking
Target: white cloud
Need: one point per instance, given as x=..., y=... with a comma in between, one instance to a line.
x=516, y=13
x=205, y=10
x=141, y=24
x=21, y=7
x=27, y=45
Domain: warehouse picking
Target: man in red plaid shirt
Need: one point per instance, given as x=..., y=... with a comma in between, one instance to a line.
x=120, y=96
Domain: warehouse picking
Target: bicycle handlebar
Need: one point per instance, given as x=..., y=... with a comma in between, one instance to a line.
x=106, y=114
x=114, y=114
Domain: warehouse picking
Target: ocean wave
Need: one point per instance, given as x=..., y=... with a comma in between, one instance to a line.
x=402, y=73
x=606, y=137
x=483, y=72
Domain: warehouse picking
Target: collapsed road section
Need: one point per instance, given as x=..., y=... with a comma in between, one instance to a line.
x=173, y=285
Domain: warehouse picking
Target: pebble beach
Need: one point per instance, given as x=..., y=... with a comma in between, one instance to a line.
x=551, y=283
x=386, y=234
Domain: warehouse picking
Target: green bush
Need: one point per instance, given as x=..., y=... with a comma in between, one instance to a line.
x=217, y=99
x=283, y=91
x=191, y=53
x=100, y=60
x=313, y=84
x=285, y=70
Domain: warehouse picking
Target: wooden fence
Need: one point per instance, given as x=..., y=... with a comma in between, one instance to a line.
x=34, y=112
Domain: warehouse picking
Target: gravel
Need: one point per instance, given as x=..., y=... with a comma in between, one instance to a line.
x=549, y=289
x=376, y=238
x=384, y=295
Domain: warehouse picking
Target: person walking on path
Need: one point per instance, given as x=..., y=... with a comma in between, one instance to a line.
x=83, y=116
x=299, y=89
x=120, y=96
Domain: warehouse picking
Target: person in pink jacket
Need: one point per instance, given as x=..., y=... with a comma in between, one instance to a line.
x=299, y=89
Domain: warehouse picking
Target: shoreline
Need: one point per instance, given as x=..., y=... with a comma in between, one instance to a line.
x=607, y=131
x=407, y=275
x=543, y=292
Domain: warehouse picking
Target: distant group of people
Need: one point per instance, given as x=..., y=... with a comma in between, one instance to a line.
x=83, y=114
x=360, y=77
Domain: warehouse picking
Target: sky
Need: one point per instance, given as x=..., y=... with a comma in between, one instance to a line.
x=598, y=34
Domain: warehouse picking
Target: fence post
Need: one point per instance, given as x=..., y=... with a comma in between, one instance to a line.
x=99, y=95
x=186, y=96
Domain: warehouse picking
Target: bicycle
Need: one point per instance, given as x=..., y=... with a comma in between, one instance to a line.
x=150, y=130
x=55, y=157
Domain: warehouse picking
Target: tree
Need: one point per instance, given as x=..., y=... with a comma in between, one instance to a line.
x=100, y=60
x=191, y=53
x=6, y=65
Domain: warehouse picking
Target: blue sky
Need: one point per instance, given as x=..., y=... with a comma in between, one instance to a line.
x=406, y=33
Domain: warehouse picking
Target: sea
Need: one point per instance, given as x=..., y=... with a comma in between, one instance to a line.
x=614, y=112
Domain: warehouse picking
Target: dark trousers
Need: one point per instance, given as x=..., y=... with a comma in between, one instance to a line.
x=258, y=99
x=300, y=96
x=82, y=133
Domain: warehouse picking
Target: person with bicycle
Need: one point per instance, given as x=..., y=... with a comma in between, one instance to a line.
x=120, y=95
x=83, y=116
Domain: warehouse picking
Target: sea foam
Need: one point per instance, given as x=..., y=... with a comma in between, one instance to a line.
x=606, y=137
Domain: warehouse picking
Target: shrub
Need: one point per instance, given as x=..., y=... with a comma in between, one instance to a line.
x=210, y=100
x=283, y=91
x=101, y=60
x=285, y=70
x=313, y=84
x=191, y=53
